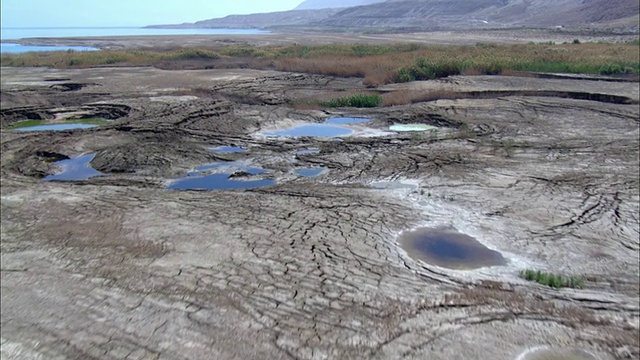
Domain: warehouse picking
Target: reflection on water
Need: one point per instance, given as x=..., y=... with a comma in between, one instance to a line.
x=75, y=169
x=222, y=176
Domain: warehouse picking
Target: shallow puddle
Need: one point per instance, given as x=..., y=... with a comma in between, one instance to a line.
x=411, y=127
x=311, y=172
x=556, y=354
x=448, y=248
x=346, y=120
x=228, y=149
x=56, y=127
x=217, y=182
x=316, y=130
x=222, y=176
x=310, y=151
x=75, y=169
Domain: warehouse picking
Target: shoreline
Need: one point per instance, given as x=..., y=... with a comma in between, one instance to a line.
x=284, y=38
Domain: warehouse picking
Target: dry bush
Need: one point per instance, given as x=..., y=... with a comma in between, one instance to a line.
x=377, y=64
x=306, y=105
x=405, y=97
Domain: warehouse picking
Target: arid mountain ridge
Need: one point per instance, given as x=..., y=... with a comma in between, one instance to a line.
x=425, y=15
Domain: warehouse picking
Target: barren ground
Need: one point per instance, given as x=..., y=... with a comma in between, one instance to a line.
x=117, y=267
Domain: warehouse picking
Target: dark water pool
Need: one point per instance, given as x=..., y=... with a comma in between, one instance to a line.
x=448, y=248
x=75, y=169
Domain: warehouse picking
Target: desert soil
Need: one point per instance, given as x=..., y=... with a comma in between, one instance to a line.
x=544, y=170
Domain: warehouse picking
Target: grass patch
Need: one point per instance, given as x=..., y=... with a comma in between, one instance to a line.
x=26, y=123
x=356, y=100
x=552, y=280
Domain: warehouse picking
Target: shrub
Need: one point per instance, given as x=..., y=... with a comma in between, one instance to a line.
x=552, y=280
x=195, y=54
x=357, y=100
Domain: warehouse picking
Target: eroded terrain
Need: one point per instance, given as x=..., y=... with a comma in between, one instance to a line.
x=543, y=170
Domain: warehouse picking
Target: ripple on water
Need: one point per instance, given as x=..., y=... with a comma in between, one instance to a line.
x=448, y=248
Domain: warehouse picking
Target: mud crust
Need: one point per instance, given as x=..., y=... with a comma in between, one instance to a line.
x=544, y=170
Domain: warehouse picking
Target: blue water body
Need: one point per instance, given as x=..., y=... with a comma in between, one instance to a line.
x=195, y=180
x=230, y=167
x=22, y=33
x=311, y=172
x=228, y=149
x=346, y=120
x=217, y=182
x=56, y=127
x=25, y=33
x=448, y=248
x=18, y=49
x=75, y=169
x=317, y=130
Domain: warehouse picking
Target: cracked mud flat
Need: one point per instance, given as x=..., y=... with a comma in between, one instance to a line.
x=118, y=267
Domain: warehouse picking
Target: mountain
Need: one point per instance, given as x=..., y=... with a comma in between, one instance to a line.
x=461, y=14
x=325, y=4
x=258, y=21
x=425, y=15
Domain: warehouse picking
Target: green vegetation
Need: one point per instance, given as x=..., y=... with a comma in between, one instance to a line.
x=552, y=280
x=377, y=64
x=30, y=123
x=357, y=100
x=26, y=123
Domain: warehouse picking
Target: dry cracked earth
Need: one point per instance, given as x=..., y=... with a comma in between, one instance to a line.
x=543, y=169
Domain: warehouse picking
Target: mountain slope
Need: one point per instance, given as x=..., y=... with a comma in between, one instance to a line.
x=259, y=21
x=425, y=15
x=325, y=4
x=430, y=14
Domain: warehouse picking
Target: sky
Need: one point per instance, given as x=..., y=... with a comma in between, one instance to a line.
x=96, y=13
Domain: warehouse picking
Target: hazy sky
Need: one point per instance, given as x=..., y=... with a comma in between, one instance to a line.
x=70, y=13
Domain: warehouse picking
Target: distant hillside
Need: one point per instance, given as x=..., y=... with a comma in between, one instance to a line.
x=325, y=4
x=258, y=21
x=456, y=14
x=425, y=15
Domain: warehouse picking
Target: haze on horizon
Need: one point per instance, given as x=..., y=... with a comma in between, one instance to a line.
x=103, y=13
